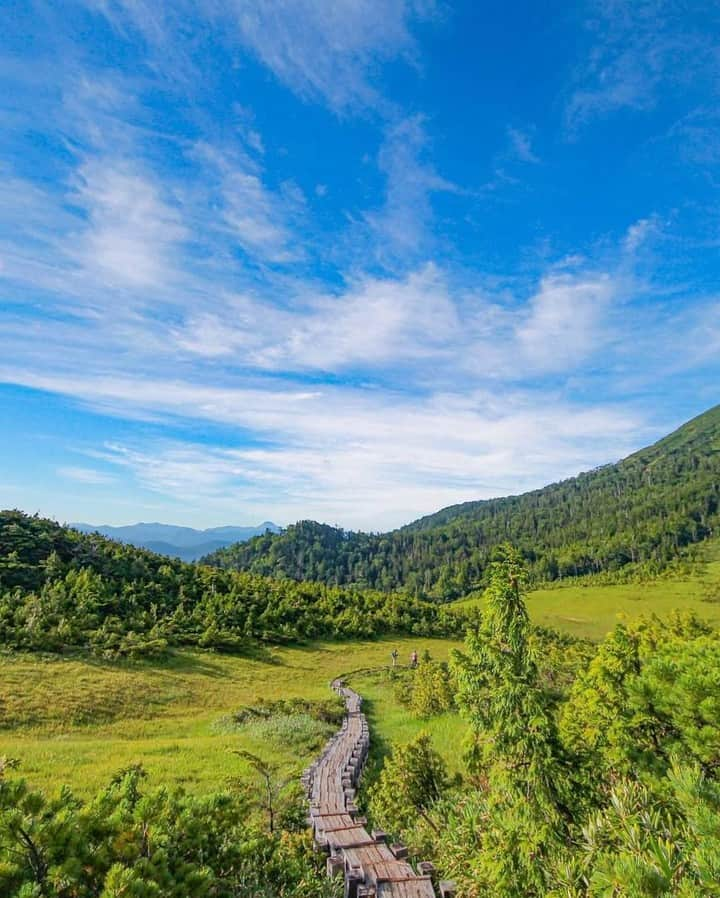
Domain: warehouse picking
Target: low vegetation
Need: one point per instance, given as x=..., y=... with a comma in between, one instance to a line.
x=62, y=590
x=617, y=746
x=78, y=720
x=129, y=840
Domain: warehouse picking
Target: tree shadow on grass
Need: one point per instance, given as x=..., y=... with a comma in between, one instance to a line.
x=380, y=748
x=189, y=660
x=210, y=661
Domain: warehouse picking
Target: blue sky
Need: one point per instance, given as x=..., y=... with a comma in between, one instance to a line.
x=353, y=260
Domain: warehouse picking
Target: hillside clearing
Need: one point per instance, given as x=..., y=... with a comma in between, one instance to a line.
x=591, y=611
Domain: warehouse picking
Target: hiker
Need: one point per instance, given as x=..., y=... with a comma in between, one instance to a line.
x=394, y=656
x=413, y=659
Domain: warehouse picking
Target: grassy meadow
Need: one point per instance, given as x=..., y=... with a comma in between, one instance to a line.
x=592, y=611
x=79, y=720
x=391, y=722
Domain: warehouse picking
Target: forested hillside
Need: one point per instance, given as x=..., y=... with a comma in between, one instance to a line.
x=61, y=589
x=641, y=512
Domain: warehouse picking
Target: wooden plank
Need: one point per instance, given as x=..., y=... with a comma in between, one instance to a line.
x=339, y=829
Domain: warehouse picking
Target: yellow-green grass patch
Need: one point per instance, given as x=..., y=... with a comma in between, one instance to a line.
x=393, y=723
x=592, y=611
x=78, y=721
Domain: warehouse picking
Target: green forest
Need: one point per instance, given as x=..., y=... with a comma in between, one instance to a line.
x=633, y=518
x=599, y=782
x=63, y=590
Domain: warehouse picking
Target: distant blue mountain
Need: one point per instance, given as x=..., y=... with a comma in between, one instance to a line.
x=178, y=542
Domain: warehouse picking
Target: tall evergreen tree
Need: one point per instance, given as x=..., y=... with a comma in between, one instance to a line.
x=514, y=752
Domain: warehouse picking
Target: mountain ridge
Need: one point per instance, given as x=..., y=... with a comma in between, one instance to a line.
x=641, y=511
x=463, y=508
x=186, y=543
x=63, y=590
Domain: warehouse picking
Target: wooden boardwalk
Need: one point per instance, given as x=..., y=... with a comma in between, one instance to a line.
x=371, y=867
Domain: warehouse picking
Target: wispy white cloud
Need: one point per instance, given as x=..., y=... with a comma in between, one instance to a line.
x=87, y=476
x=565, y=322
x=117, y=225
x=108, y=221
x=419, y=326
x=338, y=454
x=374, y=322
x=132, y=232
x=509, y=163
x=695, y=137
x=521, y=147
x=461, y=413
x=701, y=341
x=328, y=52
x=258, y=219
x=640, y=51
x=31, y=224
x=640, y=233
x=384, y=324
x=401, y=228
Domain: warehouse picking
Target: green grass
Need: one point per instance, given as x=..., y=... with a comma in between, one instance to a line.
x=592, y=611
x=391, y=722
x=78, y=721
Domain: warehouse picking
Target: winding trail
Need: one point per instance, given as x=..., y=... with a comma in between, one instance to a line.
x=371, y=867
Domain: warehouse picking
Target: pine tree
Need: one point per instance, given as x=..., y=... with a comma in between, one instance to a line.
x=514, y=752
x=413, y=778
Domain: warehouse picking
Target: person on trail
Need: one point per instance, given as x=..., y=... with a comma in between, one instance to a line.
x=394, y=656
x=413, y=659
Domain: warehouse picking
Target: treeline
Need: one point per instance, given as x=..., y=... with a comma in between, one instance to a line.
x=60, y=590
x=605, y=784
x=639, y=515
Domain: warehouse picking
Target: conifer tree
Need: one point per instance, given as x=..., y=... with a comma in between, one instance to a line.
x=514, y=752
x=412, y=780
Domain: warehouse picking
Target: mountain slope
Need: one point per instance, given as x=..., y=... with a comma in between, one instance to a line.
x=642, y=511
x=62, y=590
x=189, y=553
x=178, y=542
